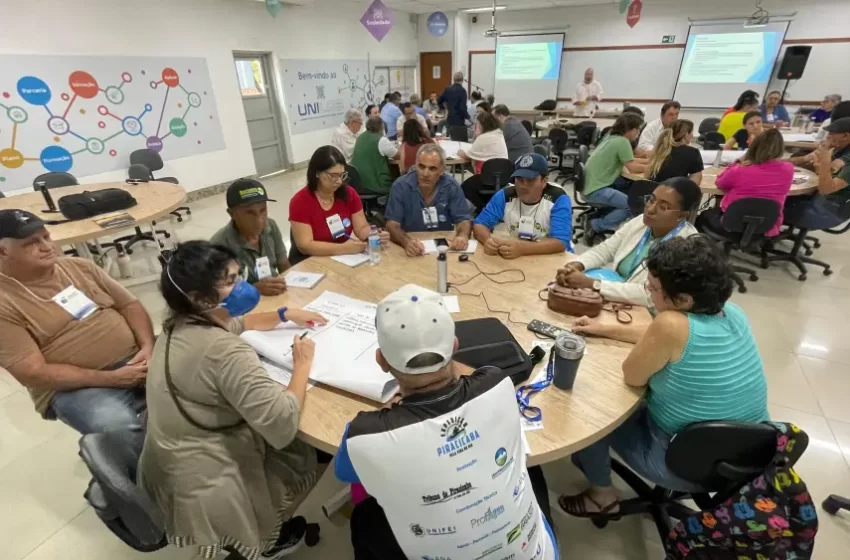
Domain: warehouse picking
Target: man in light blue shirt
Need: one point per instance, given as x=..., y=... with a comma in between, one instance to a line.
x=538, y=216
x=390, y=115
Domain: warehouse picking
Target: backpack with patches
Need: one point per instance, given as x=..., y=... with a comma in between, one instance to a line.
x=770, y=518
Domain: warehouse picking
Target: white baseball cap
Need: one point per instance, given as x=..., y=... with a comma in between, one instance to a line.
x=412, y=321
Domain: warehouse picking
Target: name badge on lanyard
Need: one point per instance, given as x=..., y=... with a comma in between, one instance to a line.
x=75, y=302
x=429, y=216
x=771, y=117
x=335, y=226
x=263, y=268
x=526, y=228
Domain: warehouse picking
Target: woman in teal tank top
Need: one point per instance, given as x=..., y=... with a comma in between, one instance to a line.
x=698, y=358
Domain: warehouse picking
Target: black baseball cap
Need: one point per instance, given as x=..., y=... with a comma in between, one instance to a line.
x=246, y=191
x=841, y=125
x=19, y=224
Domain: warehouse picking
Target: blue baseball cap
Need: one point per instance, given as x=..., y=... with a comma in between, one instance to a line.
x=530, y=166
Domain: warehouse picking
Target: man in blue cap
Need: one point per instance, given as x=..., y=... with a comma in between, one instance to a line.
x=537, y=216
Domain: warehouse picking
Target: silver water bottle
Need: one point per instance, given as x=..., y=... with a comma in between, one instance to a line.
x=442, y=269
x=718, y=159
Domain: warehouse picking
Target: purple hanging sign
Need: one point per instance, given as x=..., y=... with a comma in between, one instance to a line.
x=378, y=20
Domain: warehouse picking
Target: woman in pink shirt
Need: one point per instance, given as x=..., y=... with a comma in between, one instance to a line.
x=759, y=174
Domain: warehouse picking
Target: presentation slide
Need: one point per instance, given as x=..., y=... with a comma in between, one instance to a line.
x=527, y=69
x=722, y=60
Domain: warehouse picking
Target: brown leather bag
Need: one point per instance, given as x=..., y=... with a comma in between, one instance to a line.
x=574, y=301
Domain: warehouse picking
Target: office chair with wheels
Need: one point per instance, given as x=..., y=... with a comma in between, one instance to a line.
x=559, y=138
x=471, y=188
x=371, y=201
x=713, y=141
x=124, y=507
x=719, y=456
x=542, y=149
x=459, y=133
x=637, y=195
x=743, y=227
x=708, y=125
x=495, y=175
x=153, y=162
x=588, y=211
x=833, y=503
x=528, y=127
x=138, y=172
x=816, y=242
x=547, y=105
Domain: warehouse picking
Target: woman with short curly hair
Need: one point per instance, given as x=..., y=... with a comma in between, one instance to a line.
x=698, y=359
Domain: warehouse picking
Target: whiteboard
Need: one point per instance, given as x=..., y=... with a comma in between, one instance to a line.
x=624, y=74
x=484, y=72
x=825, y=73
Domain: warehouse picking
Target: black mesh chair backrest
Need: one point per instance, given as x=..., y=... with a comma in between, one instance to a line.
x=122, y=505
x=583, y=153
x=295, y=254
x=541, y=149
x=496, y=173
x=585, y=132
x=547, y=105
x=721, y=456
x=139, y=172
x=750, y=217
x=357, y=184
x=559, y=138
x=713, y=140
x=54, y=180
x=473, y=182
x=709, y=125
x=638, y=193
x=148, y=158
x=459, y=133
x=528, y=126
x=603, y=134
x=578, y=179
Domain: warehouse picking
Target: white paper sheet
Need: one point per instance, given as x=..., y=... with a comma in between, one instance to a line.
x=452, y=148
x=452, y=304
x=352, y=260
x=281, y=375
x=297, y=279
x=345, y=347
x=729, y=156
x=431, y=247
x=798, y=137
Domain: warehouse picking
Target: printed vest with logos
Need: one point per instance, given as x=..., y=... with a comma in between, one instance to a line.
x=455, y=486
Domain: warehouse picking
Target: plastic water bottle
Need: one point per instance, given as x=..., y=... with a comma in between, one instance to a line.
x=718, y=158
x=125, y=265
x=374, y=246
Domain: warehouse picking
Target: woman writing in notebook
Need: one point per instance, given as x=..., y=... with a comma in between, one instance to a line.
x=327, y=215
x=220, y=458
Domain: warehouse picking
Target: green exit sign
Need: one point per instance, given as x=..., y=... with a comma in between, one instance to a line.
x=668, y=39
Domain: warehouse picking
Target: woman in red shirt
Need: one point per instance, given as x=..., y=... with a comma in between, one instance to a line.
x=327, y=216
x=413, y=137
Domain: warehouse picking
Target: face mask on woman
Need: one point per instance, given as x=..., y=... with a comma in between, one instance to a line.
x=243, y=298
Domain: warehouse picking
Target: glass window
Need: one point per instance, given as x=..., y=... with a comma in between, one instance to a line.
x=251, y=80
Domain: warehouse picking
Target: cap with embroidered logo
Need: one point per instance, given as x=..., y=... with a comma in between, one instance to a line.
x=19, y=224
x=530, y=166
x=246, y=191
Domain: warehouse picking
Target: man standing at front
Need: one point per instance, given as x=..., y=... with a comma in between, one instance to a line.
x=426, y=199
x=652, y=131
x=254, y=237
x=588, y=94
x=445, y=467
x=538, y=216
x=73, y=336
x=454, y=100
x=390, y=113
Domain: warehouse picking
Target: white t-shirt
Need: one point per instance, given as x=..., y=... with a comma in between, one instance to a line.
x=402, y=119
x=387, y=147
x=343, y=140
x=650, y=135
x=583, y=93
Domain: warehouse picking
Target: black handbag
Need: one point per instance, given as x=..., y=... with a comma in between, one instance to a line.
x=488, y=342
x=91, y=203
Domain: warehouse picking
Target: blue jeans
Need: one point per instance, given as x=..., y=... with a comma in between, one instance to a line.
x=643, y=447
x=814, y=213
x=609, y=196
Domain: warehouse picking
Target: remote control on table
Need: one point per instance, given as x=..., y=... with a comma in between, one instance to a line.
x=545, y=329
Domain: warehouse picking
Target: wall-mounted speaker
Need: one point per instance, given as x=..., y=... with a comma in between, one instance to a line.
x=794, y=62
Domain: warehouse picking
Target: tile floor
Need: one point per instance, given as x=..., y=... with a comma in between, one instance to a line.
x=800, y=331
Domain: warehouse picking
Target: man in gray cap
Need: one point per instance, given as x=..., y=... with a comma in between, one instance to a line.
x=254, y=237
x=73, y=336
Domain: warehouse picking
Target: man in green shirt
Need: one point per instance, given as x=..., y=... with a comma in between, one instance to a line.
x=254, y=237
x=371, y=151
x=605, y=167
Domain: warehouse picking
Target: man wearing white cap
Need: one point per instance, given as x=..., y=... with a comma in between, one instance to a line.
x=445, y=467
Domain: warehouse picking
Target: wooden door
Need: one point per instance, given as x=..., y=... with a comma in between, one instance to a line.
x=435, y=69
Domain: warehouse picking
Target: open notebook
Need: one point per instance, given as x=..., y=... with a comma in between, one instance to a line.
x=345, y=347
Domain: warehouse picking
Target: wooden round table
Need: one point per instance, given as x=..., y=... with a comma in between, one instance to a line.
x=599, y=402
x=155, y=199
x=709, y=176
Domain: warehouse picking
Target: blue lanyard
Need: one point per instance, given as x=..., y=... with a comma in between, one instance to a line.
x=646, y=234
x=524, y=393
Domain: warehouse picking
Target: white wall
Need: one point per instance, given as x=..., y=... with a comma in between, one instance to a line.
x=603, y=25
x=212, y=29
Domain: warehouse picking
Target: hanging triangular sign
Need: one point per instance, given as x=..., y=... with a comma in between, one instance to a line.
x=273, y=7
x=633, y=15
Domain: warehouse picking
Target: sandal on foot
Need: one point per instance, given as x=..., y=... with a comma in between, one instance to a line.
x=575, y=506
